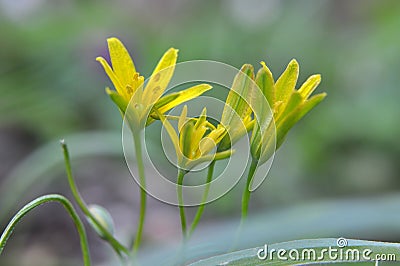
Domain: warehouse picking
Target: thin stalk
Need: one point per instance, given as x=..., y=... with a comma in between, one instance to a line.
x=200, y=210
x=117, y=246
x=246, y=192
x=180, y=177
x=39, y=201
x=143, y=196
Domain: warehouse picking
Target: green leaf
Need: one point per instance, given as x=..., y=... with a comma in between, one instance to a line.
x=38, y=202
x=308, y=247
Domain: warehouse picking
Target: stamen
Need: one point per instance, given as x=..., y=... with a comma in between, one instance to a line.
x=129, y=89
x=156, y=89
x=156, y=78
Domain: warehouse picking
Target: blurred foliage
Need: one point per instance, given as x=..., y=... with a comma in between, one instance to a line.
x=51, y=86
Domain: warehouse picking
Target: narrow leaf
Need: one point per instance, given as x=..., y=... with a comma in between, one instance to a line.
x=309, y=252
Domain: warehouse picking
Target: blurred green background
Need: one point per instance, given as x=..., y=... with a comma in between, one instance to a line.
x=51, y=87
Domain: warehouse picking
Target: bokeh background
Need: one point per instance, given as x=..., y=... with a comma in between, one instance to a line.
x=336, y=175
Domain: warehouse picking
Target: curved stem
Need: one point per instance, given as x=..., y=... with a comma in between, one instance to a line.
x=37, y=202
x=246, y=192
x=181, y=175
x=200, y=210
x=117, y=246
x=143, y=196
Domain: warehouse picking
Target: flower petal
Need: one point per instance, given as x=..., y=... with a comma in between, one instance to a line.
x=174, y=99
x=309, y=85
x=113, y=77
x=160, y=78
x=171, y=131
x=286, y=83
x=121, y=61
x=223, y=154
x=182, y=119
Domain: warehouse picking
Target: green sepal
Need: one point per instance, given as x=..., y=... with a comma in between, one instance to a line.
x=295, y=100
x=121, y=103
x=265, y=81
x=290, y=120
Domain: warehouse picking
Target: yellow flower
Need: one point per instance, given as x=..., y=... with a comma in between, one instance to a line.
x=130, y=86
x=196, y=139
x=237, y=114
x=288, y=106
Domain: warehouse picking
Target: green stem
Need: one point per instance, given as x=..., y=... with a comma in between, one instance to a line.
x=180, y=177
x=37, y=202
x=143, y=196
x=246, y=192
x=200, y=210
x=117, y=246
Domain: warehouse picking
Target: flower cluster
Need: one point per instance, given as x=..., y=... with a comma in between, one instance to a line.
x=256, y=103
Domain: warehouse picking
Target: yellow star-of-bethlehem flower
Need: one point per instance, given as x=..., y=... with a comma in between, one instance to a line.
x=288, y=106
x=130, y=85
x=196, y=139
